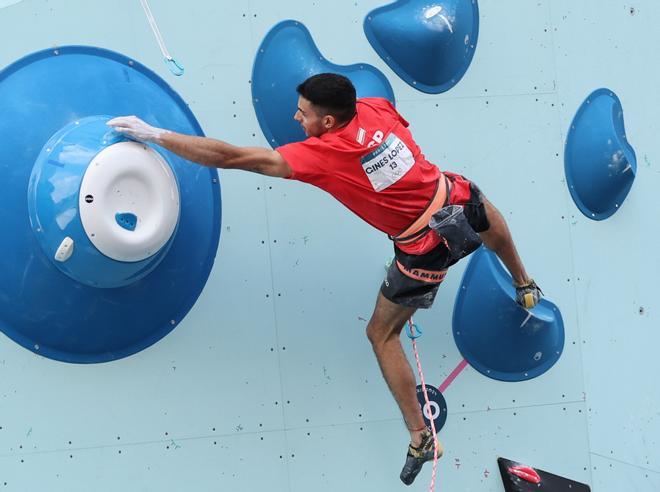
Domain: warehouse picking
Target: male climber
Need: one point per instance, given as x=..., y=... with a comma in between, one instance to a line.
x=362, y=153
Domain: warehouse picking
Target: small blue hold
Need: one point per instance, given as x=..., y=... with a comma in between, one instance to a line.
x=126, y=220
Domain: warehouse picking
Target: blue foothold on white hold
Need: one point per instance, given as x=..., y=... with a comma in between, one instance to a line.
x=126, y=220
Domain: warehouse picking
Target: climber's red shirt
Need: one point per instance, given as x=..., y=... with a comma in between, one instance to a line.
x=374, y=167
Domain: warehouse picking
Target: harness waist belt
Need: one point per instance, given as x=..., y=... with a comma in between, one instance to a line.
x=421, y=224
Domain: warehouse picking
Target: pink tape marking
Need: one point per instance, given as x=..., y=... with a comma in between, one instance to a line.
x=454, y=374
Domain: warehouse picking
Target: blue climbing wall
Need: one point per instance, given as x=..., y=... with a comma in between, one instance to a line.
x=269, y=382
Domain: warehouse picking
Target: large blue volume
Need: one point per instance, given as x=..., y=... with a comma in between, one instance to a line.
x=287, y=56
x=80, y=305
x=429, y=45
x=599, y=162
x=496, y=336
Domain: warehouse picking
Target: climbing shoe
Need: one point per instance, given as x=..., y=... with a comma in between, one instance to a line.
x=528, y=294
x=417, y=456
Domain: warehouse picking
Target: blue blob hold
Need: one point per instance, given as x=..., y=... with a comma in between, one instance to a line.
x=126, y=220
x=429, y=45
x=287, y=56
x=599, y=162
x=496, y=336
x=437, y=409
x=41, y=308
x=53, y=194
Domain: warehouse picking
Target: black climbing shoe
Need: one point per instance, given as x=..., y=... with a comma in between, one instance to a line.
x=528, y=295
x=416, y=457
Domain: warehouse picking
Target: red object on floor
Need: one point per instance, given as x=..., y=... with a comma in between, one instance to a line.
x=526, y=473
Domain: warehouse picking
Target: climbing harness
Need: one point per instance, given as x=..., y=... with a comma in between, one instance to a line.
x=421, y=225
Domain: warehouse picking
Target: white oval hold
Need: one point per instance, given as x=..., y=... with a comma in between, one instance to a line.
x=129, y=178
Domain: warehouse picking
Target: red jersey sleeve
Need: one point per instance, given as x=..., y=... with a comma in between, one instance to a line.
x=305, y=159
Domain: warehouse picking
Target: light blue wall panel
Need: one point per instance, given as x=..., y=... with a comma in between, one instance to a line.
x=615, y=266
x=276, y=349
x=363, y=452
x=619, y=341
x=326, y=282
x=610, y=474
x=204, y=463
x=514, y=54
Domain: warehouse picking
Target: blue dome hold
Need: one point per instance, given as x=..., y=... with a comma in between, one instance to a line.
x=599, y=163
x=496, y=336
x=77, y=285
x=429, y=45
x=287, y=56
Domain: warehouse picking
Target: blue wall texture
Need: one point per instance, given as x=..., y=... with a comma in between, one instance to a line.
x=270, y=383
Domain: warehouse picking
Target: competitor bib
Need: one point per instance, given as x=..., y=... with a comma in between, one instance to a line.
x=388, y=163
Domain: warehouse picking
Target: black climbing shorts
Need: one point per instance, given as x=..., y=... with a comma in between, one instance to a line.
x=413, y=280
